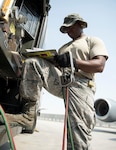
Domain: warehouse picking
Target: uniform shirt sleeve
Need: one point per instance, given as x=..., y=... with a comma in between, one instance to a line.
x=97, y=48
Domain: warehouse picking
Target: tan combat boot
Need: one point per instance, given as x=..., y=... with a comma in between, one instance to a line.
x=27, y=118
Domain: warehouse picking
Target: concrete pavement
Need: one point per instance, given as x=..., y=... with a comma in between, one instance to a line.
x=48, y=136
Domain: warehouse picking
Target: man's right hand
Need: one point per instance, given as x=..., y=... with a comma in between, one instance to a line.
x=63, y=60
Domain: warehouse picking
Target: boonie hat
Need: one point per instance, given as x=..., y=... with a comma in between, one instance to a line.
x=70, y=20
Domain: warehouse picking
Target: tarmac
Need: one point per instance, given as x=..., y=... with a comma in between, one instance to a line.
x=48, y=135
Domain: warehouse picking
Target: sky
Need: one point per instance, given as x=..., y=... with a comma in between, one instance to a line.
x=100, y=16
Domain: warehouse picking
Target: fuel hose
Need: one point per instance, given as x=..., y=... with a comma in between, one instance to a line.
x=67, y=121
x=8, y=129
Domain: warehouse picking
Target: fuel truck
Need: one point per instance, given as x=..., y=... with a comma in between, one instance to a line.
x=23, y=25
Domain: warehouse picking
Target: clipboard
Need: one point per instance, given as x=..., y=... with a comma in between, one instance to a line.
x=42, y=53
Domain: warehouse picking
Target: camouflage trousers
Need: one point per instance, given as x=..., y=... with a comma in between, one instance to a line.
x=39, y=73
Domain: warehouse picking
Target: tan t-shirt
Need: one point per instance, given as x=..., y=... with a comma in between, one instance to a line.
x=85, y=48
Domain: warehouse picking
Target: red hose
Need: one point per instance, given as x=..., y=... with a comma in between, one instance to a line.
x=65, y=120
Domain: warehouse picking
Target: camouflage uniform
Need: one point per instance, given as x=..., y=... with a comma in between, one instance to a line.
x=39, y=73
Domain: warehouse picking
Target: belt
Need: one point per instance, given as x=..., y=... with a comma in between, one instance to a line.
x=90, y=83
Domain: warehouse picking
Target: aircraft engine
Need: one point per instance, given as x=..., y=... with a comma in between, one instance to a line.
x=105, y=109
